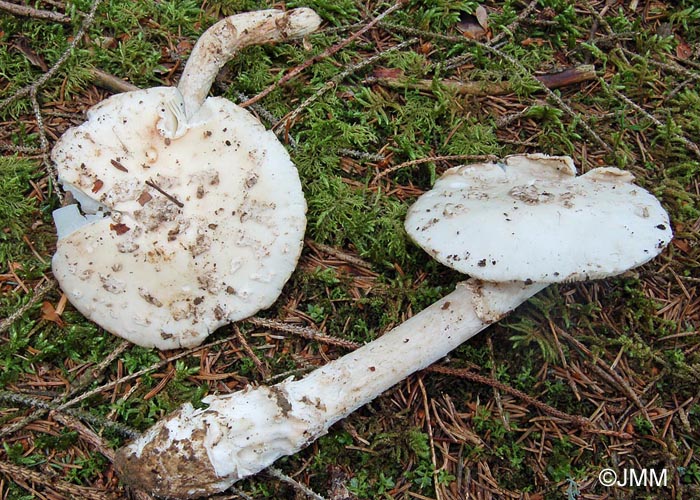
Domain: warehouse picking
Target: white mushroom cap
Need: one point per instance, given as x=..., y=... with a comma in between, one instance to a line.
x=204, y=229
x=531, y=219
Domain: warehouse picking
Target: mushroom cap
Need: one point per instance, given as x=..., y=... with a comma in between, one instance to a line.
x=529, y=218
x=203, y=227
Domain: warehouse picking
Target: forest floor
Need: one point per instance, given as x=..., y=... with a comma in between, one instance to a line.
x=582, y=378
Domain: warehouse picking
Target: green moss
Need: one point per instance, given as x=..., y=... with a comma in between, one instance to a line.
x=616, y=320
x=17, y=209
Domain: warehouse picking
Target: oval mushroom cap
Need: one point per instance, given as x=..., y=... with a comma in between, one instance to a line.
x=531, y=219
x=203, y=228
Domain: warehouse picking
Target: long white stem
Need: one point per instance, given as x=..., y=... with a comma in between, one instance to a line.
x=200, y=452
x=220, y=43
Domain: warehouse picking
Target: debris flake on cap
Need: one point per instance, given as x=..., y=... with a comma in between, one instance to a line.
x=529, y=218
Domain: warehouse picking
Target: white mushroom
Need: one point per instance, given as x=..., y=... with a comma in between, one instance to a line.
x=595, y=225
x=531, y=219
x=206, y=215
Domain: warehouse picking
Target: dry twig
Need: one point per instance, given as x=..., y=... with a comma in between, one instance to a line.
x=455, y=372
x=256, y=360
x=569, y=76
x=27, y=11
x=333, y=82
x=413, y=163
x=301, y=331
x=323, y=55
x=39, y=293
x=658, y=123
x=25, y=400
x=53, y=482
x=277, y=474
x=33, y=87
x=111, y=82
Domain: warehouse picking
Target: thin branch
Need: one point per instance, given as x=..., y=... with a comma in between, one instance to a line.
x=44, y=142
x=87, y=434
x=672, y=66
x=422, y=33
x=88, y=378
x=466, y=374
x=659, y=124
x=301, y=331
x=240, y=493
x=277, y=474
x=496, y=392
x=13, y=148
x=506, y=120
x=361, y=155
x=111, y=82
x=569, y=76
x=431, y=437
x=256, y=360
x=39, y=293
x=26, y=11
x=515, y=63
x=412, y=163
x=340, y=77
x=25, y=400
x=551, y=94
x=333, y=82
x=144, y=371
x=155, y=186
x=510, y=29
x=323, y=55
x=33, y=87
x=16, y=473
x=605, y=371
x=339, y=254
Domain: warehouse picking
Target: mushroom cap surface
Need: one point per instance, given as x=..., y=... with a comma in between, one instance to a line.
x=529, y=218
x=203, y=228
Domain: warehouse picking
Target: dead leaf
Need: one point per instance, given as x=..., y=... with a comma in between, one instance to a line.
x=684, y=51
x=425, y=48
x=22, y=45
x=482, y=16
x=184, y=47
x=48, y=313
x=106, y=42
x=387, y=73
x=470, y=27
x=681, y=245
x=61, y=306
x=532, y=41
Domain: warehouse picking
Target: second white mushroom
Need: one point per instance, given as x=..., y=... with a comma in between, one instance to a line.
x=514, y=226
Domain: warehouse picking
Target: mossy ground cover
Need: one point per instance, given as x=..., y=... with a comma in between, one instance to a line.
x=501, y=416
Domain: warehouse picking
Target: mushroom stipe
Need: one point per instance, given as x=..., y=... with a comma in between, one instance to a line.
x=592, y=226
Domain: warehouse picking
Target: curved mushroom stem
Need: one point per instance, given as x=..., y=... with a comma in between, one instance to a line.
x=221, y=42
x=199, y=452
